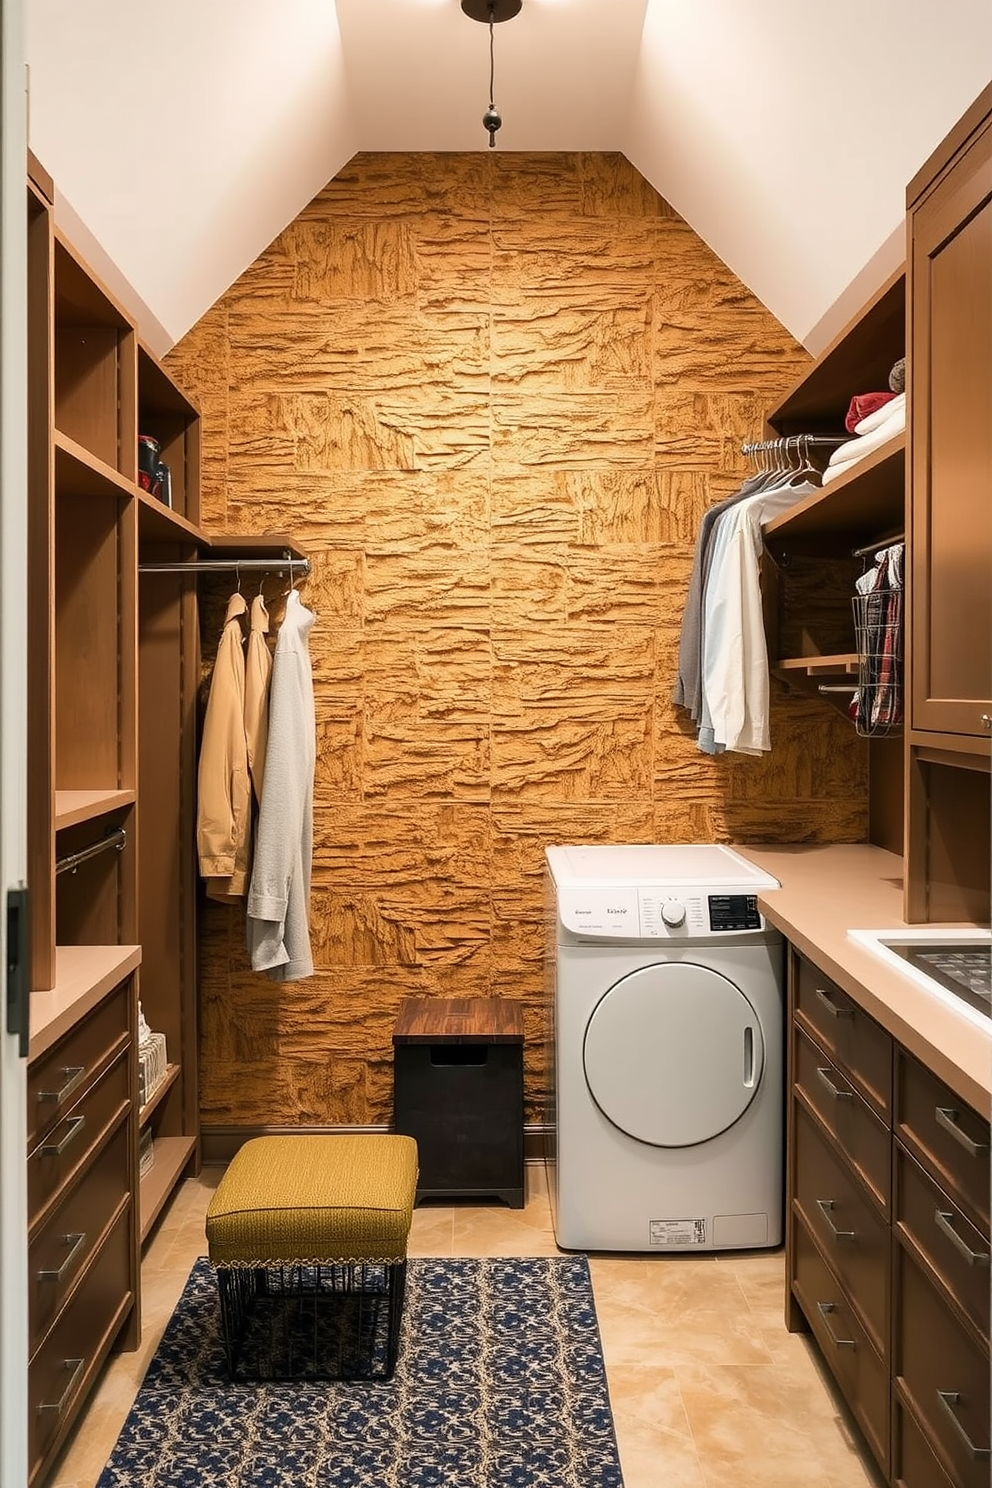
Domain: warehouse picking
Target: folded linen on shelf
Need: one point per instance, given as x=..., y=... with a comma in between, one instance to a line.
x=872, y=433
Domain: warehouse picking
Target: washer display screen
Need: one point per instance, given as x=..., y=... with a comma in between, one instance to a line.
x=734, y=912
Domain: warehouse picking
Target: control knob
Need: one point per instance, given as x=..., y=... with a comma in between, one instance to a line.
x=673, y=913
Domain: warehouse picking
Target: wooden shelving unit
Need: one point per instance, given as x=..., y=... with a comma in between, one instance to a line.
x=813, y=547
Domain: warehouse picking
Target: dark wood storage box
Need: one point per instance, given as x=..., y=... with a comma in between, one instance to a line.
x=459, y=1091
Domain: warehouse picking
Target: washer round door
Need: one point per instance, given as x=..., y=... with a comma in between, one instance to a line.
x=673, y=1054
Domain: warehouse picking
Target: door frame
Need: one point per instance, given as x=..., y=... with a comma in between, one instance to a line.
x=13, y=728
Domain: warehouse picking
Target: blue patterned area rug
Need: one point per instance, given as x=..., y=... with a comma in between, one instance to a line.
x=500, y=1384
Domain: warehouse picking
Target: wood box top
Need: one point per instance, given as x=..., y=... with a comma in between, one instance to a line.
x=459, y=1020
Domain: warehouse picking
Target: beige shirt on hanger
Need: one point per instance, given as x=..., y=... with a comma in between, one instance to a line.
x=258, y=670
x=223, y=812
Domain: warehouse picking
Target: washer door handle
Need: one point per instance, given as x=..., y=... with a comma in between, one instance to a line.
x=749, y=1058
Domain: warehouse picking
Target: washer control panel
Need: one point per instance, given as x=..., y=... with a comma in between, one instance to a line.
x=677, y=913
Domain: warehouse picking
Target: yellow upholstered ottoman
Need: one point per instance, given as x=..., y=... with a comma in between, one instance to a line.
x=308, y=1237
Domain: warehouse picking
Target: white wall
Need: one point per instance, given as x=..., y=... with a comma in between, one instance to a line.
x=785, y=131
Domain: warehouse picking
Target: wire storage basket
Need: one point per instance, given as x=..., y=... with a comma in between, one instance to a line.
x=877, y=707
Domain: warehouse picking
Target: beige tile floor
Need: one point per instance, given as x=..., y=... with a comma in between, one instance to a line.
x=708, y=1388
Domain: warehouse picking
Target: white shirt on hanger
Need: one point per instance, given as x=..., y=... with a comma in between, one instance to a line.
x=735, y=655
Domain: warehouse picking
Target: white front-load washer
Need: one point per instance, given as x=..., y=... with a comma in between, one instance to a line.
x=666, y=1127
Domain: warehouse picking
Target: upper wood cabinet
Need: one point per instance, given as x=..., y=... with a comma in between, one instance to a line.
x=950, y=251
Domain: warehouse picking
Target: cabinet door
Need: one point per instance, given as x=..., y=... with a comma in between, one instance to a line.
x=951, y=367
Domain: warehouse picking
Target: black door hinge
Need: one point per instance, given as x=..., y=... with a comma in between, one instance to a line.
x=18, y=967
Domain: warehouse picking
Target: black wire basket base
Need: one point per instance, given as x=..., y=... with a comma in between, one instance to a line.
x=328, y=1322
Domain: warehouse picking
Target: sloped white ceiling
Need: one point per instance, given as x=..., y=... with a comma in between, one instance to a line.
x=183, y=137
x=786, y=131
x=186, y=134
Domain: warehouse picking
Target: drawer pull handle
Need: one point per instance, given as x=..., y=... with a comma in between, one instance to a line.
x=58, y=1406
x=831, y=1006
x=56, y=1149
x=76, y=1243
x=75, y=1074
x=949, y=1399
x=945, y=1221
x=825, y=1309
x=947, y=1117
x=835, y=1090
x=825, y=1206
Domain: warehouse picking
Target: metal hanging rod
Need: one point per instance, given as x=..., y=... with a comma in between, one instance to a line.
x=795, y=441
x=879, y=546
x=838, y=687
x=116, y=839
x=231, y=565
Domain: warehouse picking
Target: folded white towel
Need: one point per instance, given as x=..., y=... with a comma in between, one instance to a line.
x=849, y=454
x=896, y=407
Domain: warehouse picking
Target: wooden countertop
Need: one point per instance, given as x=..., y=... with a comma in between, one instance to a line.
x=827, y=891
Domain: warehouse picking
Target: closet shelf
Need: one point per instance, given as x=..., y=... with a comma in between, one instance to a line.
x=159, y=389
x=867, y=503
x=171, y=1156
x=858, y=360
x=79, y=473
x=83, y=975
x=74, y=806
x=172, y=1073
x=817, y=667
x=255, y=545
x=159, y=523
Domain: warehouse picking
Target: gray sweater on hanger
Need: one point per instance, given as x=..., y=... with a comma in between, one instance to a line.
x=279, y=896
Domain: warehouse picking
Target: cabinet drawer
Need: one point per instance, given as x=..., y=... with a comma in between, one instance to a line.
x=61, y=1249
x=914, y=1464
x=63, y=1368
x=65, y=1149
x=847, y=1227
x=58, y=1079
x=956, y=1253
x=859, y=1370
x=947, y=1138
x=853, y=1040
x=944, y=1374
x=861, y=1136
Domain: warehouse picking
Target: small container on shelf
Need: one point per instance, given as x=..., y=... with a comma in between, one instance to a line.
x=152, y=1060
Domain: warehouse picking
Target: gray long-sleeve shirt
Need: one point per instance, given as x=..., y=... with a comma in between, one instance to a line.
x=279, y=896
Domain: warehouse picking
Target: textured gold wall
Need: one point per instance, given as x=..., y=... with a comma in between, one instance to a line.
x=491, y=396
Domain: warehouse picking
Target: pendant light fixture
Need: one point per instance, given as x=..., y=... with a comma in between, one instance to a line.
x=489, y=12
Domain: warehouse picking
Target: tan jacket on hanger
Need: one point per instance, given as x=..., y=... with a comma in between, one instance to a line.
x=223, y=816
x=258, y=670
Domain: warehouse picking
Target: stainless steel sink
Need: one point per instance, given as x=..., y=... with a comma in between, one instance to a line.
x=955, y=965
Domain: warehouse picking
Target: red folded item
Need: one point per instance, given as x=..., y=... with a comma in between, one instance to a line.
x=862, y=404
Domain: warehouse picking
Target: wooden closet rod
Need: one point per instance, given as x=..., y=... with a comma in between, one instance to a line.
x=230, y=565
x=69, y=864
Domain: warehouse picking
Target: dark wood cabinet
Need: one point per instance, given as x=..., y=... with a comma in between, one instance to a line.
x=949, y=598
x=82, y=1221
x=888, y=1239
x=950, y=226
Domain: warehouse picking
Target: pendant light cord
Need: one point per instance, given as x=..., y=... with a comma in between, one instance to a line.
x=492, y=74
